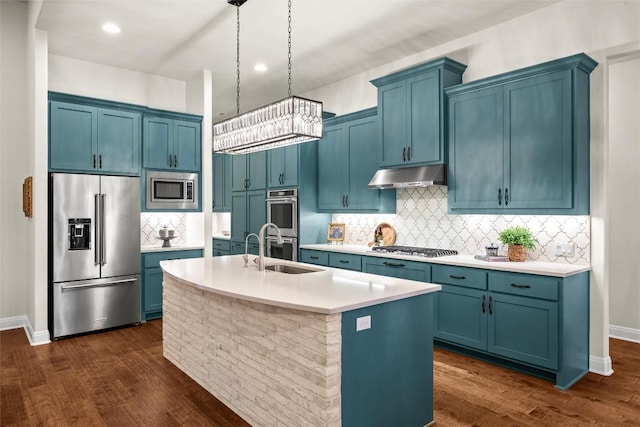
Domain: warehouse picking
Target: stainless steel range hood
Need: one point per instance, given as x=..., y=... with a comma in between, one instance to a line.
x=417, y=176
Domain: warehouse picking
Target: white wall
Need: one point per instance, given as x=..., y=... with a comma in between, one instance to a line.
x=16, y=268
x=624, y=196
x=69, y=75
x=597, y=28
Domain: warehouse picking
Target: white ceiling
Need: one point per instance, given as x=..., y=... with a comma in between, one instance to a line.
x=331, y=39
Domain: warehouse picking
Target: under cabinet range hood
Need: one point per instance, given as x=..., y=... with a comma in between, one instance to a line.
x=417, y=176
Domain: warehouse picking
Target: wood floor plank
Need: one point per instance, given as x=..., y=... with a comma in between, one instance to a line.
x=120, y=378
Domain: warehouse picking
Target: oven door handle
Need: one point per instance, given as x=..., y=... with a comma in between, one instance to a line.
x=272, y=239
x=282, y=200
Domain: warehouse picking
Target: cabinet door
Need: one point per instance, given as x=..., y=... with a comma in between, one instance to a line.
x=73, y=137
x=363, y=162
x=461, y=316
x=402, y=269
x=524, y=329
x=238, y=216
x=392, y=112
x=257, y=170
x=282, y=167
x=118, y=141
x=256, y=210
x=152, y=293
x=332, y=169
x=221, y=182
x=157, y=142
x=238, y=172
x=423, y=104
x=186, y=145
x=475, y=149
x=538, y=150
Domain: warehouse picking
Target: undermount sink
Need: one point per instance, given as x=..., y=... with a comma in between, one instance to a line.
x=289, y=269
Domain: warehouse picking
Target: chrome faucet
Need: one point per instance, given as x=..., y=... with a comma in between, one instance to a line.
x=245, y=257
x=261, y=240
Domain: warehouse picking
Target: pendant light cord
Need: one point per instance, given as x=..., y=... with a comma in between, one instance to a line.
x=289, y=47
x=238, y=61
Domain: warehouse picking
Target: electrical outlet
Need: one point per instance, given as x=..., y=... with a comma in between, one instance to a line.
x=363, y=323
x=565, y=249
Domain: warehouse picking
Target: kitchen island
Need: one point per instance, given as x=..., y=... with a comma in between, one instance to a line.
x=328, y=347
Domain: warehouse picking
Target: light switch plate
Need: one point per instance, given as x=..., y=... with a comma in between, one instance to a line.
x=363, y=323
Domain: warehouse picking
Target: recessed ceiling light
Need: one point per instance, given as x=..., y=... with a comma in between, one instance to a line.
x=260, y=67
x=111, y=28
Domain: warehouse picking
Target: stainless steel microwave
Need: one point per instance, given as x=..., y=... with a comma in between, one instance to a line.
x=172, y=190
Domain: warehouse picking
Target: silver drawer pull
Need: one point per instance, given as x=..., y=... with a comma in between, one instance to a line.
x=97, y=285
x=515, y=285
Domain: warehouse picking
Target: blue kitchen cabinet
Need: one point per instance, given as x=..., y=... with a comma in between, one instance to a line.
x=411, y=113
x=152, y=279
x=345, y=261
x=519, y=142
x=282, y=167
x=311, y=256
x=221, y=247
x=222, y=182
x=248, y=214
x=534, y=323
x=171, y=143
x=249, y=171
x=402, y=269
x=85, y=138
x=348, y=157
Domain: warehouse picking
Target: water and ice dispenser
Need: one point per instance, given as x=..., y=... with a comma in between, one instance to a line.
x=79, y=234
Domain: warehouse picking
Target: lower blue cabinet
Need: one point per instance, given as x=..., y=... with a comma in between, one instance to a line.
x=402, y=269
x=152, y=279
x=538, y=324
x=314, y=257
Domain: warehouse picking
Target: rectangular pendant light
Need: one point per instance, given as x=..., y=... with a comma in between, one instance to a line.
x=292, y=120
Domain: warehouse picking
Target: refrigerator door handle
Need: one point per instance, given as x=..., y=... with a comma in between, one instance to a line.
x=103, y=245
x=96, y=234
x=93, y=284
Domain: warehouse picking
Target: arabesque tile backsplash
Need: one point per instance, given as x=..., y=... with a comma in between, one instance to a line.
x=421, y=219
x=151, y=222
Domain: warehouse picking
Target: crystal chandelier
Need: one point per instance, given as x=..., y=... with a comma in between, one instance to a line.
x=286, y=122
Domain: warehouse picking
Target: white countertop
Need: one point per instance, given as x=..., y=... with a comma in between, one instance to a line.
x=328, y=290
x=159, y=248
x=555, y=269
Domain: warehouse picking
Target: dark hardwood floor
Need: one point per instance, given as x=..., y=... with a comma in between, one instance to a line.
x=119, y=378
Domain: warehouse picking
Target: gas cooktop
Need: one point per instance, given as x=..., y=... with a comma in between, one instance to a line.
x=413, y=250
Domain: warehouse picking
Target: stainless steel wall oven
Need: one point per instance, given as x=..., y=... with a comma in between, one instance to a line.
x=282, y=210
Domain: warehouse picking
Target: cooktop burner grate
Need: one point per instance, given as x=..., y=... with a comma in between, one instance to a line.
x=414, y=250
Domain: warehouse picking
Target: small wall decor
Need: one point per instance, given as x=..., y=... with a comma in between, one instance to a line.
x=27, y=197
x=335, y=232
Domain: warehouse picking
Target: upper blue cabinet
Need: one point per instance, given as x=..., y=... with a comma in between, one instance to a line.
x=519, y=142
x=410, y=113
x=93, y=139
x=347, y=159
x=171, y=143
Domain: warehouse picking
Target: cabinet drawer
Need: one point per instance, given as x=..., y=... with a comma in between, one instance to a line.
x=346, y=261
x=151, y=260
x=403, y=269
x=459, y=276
x=223, y=245
x=524, y=284
x=314, y=257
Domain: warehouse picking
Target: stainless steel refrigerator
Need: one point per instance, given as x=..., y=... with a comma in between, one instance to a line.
x=94, y=247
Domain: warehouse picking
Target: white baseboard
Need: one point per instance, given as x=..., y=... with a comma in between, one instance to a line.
x=624, y=333
x=600, y=365
x=34, y=337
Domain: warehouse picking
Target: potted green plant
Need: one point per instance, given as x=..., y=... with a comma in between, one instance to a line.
x=519, y=239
